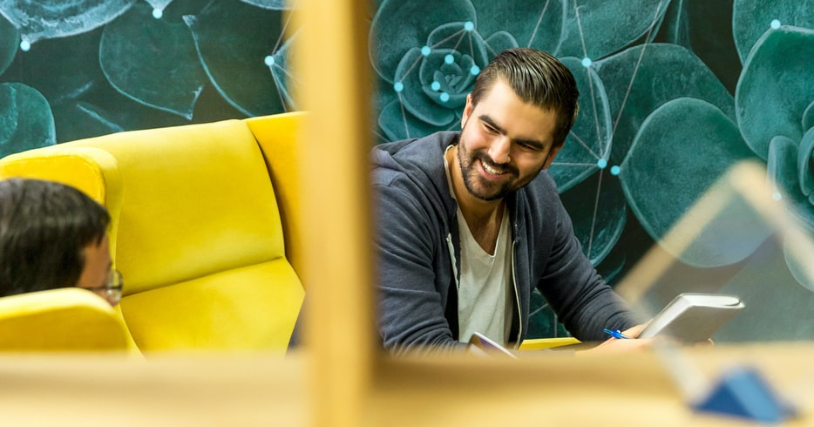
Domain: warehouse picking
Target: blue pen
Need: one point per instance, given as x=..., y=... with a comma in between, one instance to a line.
x=616, y=334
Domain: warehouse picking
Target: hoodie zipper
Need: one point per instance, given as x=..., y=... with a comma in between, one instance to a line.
x=517, y=298
x=454, y=261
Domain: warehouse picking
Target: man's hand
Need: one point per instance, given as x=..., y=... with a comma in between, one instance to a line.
x=614, y=345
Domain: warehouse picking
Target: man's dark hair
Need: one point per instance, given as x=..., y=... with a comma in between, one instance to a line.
x=538, y=78
x=44, y=227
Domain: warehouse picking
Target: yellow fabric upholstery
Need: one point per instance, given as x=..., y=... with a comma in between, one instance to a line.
x=67, y=319
x=196, y=228
x=543, y=343
x=277, y=139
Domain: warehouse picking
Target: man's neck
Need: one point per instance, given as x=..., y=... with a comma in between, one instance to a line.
x=482, y=217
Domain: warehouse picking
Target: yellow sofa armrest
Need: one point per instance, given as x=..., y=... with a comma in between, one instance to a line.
x=66, y=319
x=277, y=136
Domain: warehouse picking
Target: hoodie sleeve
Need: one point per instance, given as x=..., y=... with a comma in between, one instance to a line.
x=583, y=301
x=411, y=301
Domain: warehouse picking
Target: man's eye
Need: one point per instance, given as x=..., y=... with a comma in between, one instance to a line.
x=489, y=128
x=529, y=146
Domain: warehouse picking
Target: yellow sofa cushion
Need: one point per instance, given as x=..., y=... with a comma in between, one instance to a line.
x=249, y=308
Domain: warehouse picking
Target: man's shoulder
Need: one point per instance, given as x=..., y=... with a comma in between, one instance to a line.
x=542, y=188
x=413, y=170
x=423, y=149
x=417, y=158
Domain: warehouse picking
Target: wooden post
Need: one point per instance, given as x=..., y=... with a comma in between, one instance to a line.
x=331, y=58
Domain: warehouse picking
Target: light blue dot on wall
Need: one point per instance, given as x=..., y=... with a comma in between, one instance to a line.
x=269, y=60
x=444, y=97
x=777, y=197
x=157, y=13
x=469, y=26
x=435, y=86
x=449, y=59
x=426, y=51
x=602, y=163
x=775, y=24
x=25, y=46
x=586, y=62
x=398, y=87
x=615, y=170
x=474, y=70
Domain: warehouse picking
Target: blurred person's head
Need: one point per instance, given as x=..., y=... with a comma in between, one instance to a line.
x=53, y=236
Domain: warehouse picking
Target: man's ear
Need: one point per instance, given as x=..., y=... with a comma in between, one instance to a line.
x=467, y=110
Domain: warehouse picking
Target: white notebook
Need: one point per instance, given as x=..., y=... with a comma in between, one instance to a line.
x=693, y=317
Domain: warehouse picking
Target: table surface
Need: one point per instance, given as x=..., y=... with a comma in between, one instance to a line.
x=257, y=389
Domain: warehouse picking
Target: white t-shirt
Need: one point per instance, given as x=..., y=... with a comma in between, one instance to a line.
x=484, y=290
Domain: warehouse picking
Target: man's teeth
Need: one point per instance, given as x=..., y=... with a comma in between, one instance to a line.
x=490, y=170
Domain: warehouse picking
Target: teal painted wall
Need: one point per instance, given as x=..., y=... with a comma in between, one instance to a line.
x=673, y=92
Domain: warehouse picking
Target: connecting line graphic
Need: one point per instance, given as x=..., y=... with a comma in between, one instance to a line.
x=596, y=207
x=271, y=63
x=404, y=117
x=636, y=68
x=279, y=92
x=584, y=145
x=537, y=27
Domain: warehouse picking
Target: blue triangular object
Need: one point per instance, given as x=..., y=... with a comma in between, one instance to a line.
x=742, y=392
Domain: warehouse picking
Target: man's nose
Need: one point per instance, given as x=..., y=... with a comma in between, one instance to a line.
x=500, y=149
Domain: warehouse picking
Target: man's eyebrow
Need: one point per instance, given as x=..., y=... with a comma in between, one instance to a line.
x=488, y=120
x=537, y=145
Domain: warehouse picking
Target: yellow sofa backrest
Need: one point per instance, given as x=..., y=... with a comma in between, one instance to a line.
x=195, y=230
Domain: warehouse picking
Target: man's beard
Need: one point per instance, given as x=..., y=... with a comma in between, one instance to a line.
x=482, y=188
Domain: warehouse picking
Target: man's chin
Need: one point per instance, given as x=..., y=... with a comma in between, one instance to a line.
x=487, y=195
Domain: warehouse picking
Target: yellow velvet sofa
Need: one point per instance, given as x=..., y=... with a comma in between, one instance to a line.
x=204, y=227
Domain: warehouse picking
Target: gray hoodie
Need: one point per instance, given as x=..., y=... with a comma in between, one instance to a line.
x=419, y=253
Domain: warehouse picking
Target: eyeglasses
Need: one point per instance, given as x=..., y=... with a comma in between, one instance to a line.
x=112, y=290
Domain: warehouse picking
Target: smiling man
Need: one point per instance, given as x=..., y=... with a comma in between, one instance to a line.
x=469, y=223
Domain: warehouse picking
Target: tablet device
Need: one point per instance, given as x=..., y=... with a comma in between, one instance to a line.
x=693, y=317
x=482, y=344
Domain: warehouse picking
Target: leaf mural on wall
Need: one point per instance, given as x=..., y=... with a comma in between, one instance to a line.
x=235, y=42
x=25, y=119
x=152, y=61
x=751, y=18
x=532, y=23
x=640, y=79
x=77, y=120
x=775, y=88
x=662, y=177
x=272, y=4
x=47, y=19
x=9, y=42
x=158, y=6
x=598, y=220
x=597, y=28
x=400, y=26
x=64, y=80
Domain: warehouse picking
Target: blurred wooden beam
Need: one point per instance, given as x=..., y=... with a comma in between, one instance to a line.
x=331, y=59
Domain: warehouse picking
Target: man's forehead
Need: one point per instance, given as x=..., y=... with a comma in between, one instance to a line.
x=502, y=107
